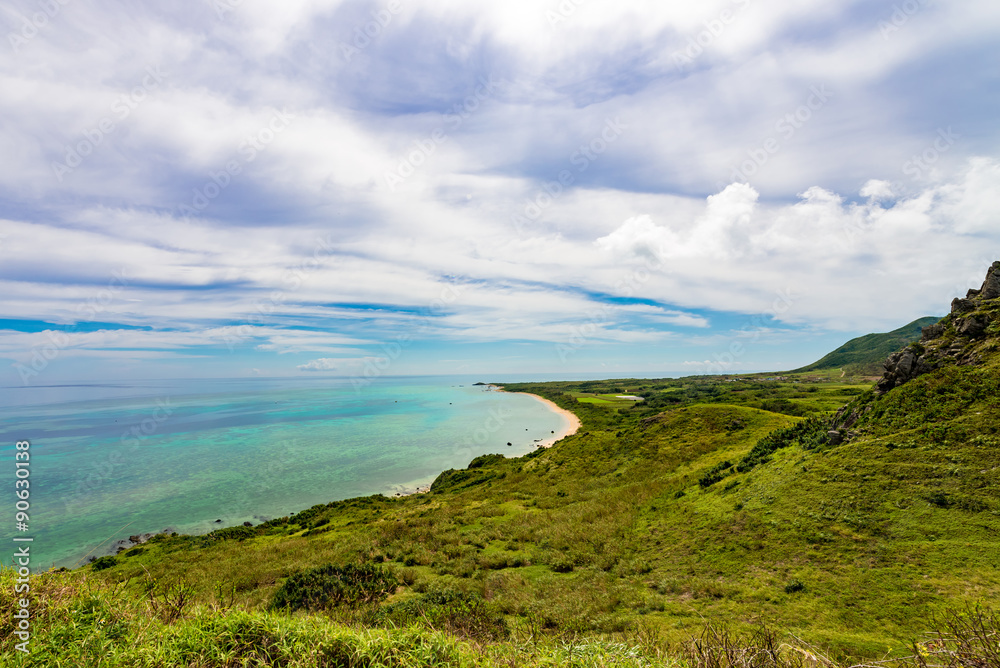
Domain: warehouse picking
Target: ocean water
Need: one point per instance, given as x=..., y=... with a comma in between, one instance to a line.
x=115, y=459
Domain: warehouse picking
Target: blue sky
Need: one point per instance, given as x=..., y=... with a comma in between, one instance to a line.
x=241, y=187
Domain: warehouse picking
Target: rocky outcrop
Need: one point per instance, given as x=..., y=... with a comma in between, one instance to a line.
x=953, y=340
x=904, y=366
x=973, y=326
x=991, y=287
x=962, y=337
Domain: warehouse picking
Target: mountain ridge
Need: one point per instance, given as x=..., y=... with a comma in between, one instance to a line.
x=864, y=355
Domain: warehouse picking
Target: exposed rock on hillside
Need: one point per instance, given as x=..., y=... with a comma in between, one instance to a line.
x=963, y=337
x=953, y=340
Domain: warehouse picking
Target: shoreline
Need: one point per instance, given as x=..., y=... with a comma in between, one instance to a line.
x=399, y=490
x=573, y=423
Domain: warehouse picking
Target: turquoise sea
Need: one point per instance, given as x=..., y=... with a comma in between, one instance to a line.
x=121, y=458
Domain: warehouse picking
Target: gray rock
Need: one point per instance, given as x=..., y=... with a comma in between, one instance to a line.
x=835, y=437
x=901, y=367
x=973, y=326
x=917, y=360
x=991, y=286
x=931, y=332
x=962, y=305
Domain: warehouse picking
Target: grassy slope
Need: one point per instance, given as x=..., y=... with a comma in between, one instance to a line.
x=610, y=533
x=864, y=355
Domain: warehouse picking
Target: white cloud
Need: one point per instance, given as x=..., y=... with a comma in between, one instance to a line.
x=846, y=263
x=345, y=365
x=661, y=195
x=877, y=190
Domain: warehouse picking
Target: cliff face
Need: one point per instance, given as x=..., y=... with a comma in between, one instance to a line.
x=957, y=339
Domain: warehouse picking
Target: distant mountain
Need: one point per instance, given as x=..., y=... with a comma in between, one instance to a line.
x=864, y=355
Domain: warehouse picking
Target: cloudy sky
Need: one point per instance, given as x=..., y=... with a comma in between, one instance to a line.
x=244, y=187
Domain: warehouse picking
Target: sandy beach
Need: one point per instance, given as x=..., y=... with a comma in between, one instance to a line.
x=572, y=421
x=572, y=425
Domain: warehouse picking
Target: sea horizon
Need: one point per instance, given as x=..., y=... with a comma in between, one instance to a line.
x=121, y=458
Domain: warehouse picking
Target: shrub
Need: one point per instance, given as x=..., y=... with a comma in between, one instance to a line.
x=101, y=563
x=330, y=586
x=485, y=460
x=561, y=564
x=232, y=533
x=715, y=474
x=810, y=434
x=462, y=613
x=794, y=587
x=939, y=499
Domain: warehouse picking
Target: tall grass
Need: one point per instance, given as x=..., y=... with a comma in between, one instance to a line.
x=83, y=623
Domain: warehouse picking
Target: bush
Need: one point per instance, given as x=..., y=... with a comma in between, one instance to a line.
x=794, y=587
x=101, y=563
x=485, y=460
x=809, y=433
x=232, y=533
x=715, y=474
x=331, y=586
x=561, y=564
x=939, y=499
x=462, y=613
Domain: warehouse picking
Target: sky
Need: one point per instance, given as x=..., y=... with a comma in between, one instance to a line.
x=230, y=188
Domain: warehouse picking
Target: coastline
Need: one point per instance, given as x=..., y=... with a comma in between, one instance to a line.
x=571, y=426
x=573, y=423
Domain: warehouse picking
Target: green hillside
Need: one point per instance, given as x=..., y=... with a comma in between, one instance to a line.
x=792, y=523
x=864, y=355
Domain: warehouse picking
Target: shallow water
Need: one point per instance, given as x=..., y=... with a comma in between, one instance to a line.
x=117, y=459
